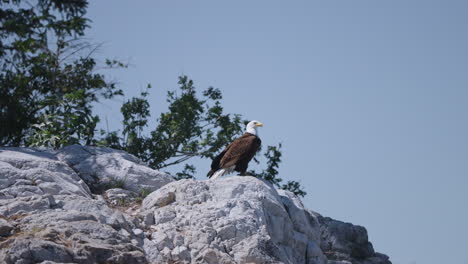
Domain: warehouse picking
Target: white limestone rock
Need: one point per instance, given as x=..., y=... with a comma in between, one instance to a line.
x=5, y=227
x=120, y=197
x=25, y=172
x=103, y=168
x=243, y=220
x=48, y=213
x=80, y=241
x=234, y=219
x=56, y=207
x=26, y=205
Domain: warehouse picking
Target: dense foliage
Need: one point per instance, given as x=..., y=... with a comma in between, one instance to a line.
x=192, y=127
x=49, y=82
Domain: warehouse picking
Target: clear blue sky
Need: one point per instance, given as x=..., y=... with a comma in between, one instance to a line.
x=370, y=100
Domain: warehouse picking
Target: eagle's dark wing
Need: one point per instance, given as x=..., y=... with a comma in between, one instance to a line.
x=238, y=153
x=241, y=150
x=243, y=163
x=215, y=163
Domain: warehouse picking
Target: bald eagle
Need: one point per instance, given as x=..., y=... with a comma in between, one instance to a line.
x=237, y=155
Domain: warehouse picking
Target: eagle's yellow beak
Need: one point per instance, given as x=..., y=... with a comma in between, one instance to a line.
x=259, y=124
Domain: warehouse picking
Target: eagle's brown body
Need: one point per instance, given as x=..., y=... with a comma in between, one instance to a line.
x=238, y=154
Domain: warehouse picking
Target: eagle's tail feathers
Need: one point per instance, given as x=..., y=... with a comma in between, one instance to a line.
x=218, y=173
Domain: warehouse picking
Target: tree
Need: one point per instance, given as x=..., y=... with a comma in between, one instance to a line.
x=270, y=174
x=48, y=81
x=192, y=127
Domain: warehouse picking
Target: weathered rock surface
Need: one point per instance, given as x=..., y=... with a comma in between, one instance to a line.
x=104, y=168
x=26, y=172
x=244, y=220
x=85, y=205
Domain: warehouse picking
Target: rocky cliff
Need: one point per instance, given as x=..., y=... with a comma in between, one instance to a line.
x=99, y=205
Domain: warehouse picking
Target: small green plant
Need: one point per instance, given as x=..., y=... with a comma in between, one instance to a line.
x=144, y=192
x=115, y=183
x=35, y=229
x=122, y=202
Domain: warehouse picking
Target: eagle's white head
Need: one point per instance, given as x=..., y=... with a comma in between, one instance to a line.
x=252, y=127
